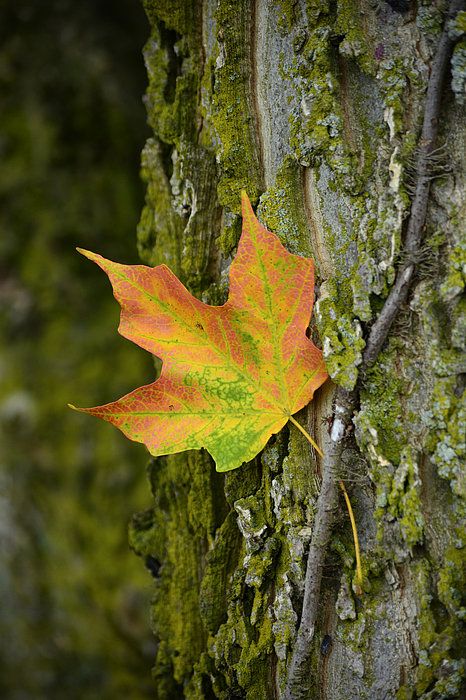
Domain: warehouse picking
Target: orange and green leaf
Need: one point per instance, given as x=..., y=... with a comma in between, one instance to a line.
x=232, y=375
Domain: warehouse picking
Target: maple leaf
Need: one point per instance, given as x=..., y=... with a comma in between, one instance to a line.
x=232, y=375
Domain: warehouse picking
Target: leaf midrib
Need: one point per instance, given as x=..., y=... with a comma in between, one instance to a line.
x=176, y=414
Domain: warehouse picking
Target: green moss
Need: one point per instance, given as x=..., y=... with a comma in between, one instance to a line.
x=458, y=71
x=458, y=323
x=253, y=671
x=385, y=417
x=440, y=671
x=284, y=626
x=365, y=273
x=452, y=685
x=238, y=599
x=231, y=110
x=393, y=76
x=171, y=56
x=341, y=334
x=177, y=14
x=451, y=583
x=455, y=279
x=426, y=623
x=281, y=209
x=296, y=488
x=316, y=130
x=404, y=498
x=260, y=563
x=343, y=345
x=446, y=440
x=319, y=126
x=380, y=418
x=440, y=324
x=287, y=17
x=429, y=19
x=244, y=653
x=252, y=518
x=242, y=483
x=220, y=563
x=159, y=229
x=350, y=23
x=458, y=26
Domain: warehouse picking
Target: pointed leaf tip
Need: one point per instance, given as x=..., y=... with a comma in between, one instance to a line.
x=246, y=207
x=88, y=254
x=77, y=408
x=245, y=201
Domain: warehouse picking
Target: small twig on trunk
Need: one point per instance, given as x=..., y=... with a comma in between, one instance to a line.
x=345, y=401
x=327, y=503
x=423, y=177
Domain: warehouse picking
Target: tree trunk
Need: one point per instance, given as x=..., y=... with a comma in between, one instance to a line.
x=315, y=109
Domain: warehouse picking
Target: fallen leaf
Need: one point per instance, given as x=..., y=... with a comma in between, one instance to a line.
x=232, y=375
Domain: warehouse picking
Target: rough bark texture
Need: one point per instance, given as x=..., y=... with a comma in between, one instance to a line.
x=316, y=109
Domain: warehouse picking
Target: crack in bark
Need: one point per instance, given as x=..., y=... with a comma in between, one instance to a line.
x=315, y=226
x=347, y=110
x=255, y=91
x=346, y=401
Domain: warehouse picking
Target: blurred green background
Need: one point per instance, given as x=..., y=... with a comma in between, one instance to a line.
x=73, y=598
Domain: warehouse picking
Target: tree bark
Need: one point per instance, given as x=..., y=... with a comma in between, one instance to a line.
x=316, y=109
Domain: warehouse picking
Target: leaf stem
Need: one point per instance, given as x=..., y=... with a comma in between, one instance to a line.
x=348, y=505
x=359, y=589
x=306, y=435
